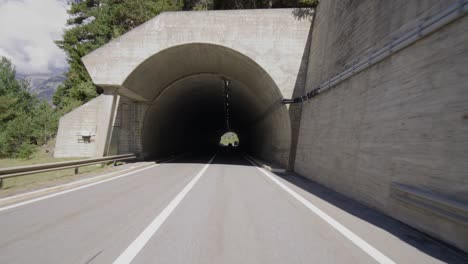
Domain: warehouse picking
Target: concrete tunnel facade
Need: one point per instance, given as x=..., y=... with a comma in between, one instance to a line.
x=187, y=113
x=164, y=86
x=391, y=136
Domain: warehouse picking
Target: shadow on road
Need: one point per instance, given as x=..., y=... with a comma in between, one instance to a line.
x=423, y=242
x=411, y=236
x=224, y=155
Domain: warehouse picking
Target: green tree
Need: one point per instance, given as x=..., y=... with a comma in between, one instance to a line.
x=44, y=123
x=92, y=24
x=25, y=121
x=8, y=83
x=203, y=5
x=250, y=4
x=16, y=137
x=12, y=91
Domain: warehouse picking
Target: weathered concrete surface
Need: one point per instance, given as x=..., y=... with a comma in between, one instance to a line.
x=69, y=142
x=191, y=108
x=94, y=119
x=260, y=51
x=274, y=39
x=126, y=130
x=106, y=117
x=403, y=120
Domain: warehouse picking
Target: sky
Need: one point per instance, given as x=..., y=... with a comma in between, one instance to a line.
x=27, y=34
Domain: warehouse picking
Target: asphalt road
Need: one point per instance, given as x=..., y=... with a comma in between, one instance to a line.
x=189, y=212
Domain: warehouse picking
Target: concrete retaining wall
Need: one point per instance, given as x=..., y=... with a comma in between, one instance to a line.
x=93, y=120
x=69, y=142
x=404, y=120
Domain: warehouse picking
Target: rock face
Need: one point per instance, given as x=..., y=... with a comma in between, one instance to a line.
x=44, y=86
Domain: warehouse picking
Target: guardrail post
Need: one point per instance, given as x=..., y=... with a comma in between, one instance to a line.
x=39, y=168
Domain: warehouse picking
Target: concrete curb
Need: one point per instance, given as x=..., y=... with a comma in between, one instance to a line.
x=266, y=165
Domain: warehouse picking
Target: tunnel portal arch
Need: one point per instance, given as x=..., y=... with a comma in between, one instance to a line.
x=269, y=49
x=186, y=107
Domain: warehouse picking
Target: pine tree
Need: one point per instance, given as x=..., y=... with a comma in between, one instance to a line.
x=92, y=24
x=25, y=122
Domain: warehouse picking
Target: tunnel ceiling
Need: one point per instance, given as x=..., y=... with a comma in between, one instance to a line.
x=171, y=65
x=185, y=85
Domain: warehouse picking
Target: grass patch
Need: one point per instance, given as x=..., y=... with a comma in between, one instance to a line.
x=5, y=163
x=40, y=157
x=38, y=178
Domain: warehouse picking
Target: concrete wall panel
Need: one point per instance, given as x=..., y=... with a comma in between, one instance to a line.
x=275, y=39
x=403, y=120
x=69, y=142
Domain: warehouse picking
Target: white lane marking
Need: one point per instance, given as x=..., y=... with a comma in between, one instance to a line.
x=137, y=245
x=71, y=190
x=370, y=250
x=18, y=196
x=45, y=190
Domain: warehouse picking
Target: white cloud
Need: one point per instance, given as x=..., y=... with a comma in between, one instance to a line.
x=28, y=29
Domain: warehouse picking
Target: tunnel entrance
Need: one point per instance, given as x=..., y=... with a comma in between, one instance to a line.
x=186, y=88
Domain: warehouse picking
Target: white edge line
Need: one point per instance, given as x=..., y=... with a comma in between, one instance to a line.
x=370, y=250
x=137, y=245
x=71, y=190
x=92, y=179
x=18, y=196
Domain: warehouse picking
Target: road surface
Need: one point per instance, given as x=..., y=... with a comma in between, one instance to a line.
x=203, y=210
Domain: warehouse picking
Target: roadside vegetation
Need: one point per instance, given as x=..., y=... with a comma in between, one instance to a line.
x=34, y=180
x=43, y=154
x=25, y=121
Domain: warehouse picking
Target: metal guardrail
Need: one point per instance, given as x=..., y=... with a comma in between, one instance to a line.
x=426, y=27
x=431, y=202
x=39, y=168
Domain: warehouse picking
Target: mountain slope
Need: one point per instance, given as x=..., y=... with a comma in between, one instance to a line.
x=44, y=86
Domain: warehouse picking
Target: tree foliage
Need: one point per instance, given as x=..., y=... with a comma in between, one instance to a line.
x=246, y=4
x=25, y=122
x=92, y=24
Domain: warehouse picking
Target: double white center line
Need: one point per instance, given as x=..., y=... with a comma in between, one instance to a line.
x=137, y=245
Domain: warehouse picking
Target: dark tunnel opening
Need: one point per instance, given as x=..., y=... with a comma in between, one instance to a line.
x=186, y=87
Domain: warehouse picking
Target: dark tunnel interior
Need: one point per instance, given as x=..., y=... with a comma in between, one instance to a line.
x=187, y=113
